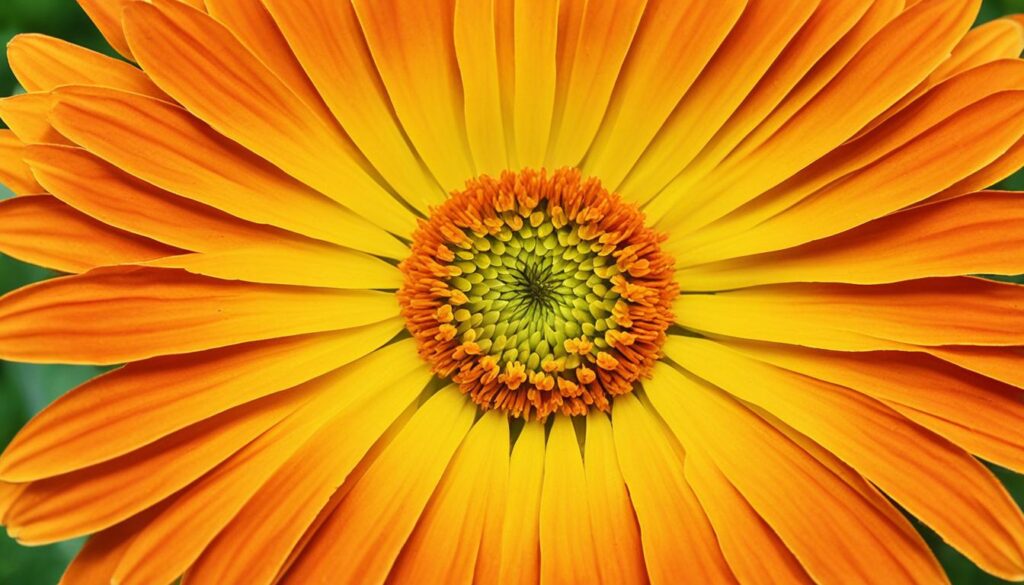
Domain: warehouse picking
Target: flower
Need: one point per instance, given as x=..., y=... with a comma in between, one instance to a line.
x=520, y=291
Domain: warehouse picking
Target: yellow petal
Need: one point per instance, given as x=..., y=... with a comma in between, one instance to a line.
x=446, y=542
x=535, y=26
x=612, y=519
x=929, y=312
x=165, y=395
x=166, y=146
x=116, y=315
x=934, y=480
x=476, y=39
x=520, y=543
x=42, y=230
x=350, y=547
x=566, y=542
x=319, y=265
x=43, y=63
x=677, y=536
x=205, y=68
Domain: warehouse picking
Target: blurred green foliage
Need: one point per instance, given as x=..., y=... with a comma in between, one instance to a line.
x=25, y=389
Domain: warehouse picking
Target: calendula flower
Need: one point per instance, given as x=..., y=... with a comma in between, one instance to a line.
x=520, y=291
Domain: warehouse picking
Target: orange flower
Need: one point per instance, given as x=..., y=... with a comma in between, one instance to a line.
x=523, y=291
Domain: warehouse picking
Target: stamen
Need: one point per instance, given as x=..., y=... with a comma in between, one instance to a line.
x=538, y=293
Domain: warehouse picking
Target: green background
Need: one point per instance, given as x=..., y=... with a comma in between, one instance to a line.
x=25, y=389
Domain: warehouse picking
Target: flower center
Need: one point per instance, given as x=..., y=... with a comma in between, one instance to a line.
x=538, y=293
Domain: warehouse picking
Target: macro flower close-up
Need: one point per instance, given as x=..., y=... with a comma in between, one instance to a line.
x=519, y=291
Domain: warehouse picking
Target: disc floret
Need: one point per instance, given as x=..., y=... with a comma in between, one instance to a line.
x=538, y=293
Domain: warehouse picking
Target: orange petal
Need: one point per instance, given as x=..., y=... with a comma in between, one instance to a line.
x=975, y=234
x=165, y=395
x=588, y=68
x=98, y=497
x=110, y=195
x=566, y=541
x=26, y=116
x=520, y=542
x=14, y=173
x=670, y=49
x=677, y=536
x=932, y=161
x=43, y=63
x=979, y=414
x=739, y=528
x=166, y=146
x=612, y=518
x=759, y=37
x=833, y=35
x=306, y=456
x=997, y=40
x=939, y=311
x=9, y=492
x=116, y=315
x=835, y=531
x=252, y=23
x=204, y=67
x=106, y=15
x=96, y=561
x=350, y=547
x=935, y=481
x=413, y=47
x=998, y=363
x=892, y=63
x=328, y=41
x=446, y=542
x=42, y=230
x=876, y=152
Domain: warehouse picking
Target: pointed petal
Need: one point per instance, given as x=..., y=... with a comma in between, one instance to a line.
x=42, y=230
x=43, y=63
x=165, y=395
x=115, y=315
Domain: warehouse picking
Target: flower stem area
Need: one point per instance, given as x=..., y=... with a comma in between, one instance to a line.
x=25, y=389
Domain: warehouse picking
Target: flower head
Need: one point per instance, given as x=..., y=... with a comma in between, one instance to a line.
x=519, y=291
